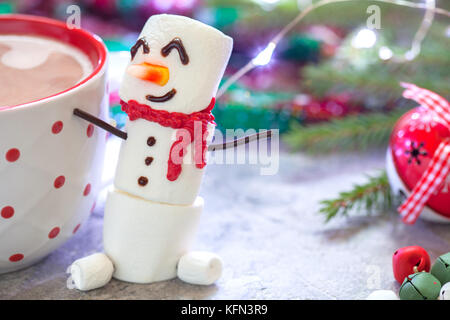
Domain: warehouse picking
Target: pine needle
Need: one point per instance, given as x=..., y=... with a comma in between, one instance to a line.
x=374, y=195
x=358, y=132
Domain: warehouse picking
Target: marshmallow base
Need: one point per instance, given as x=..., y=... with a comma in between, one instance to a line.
x=91, y=272
x=144, y=239
x=198, y=267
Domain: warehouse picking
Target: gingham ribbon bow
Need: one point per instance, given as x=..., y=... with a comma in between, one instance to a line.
x=439, y=166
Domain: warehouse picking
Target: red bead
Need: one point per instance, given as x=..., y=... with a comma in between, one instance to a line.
x=7, y=212
x=406, y=259
x=16, y=257
x=54, y=233
x=415, y=138
x=59, y=182
x=57, y=127
x=12, y=155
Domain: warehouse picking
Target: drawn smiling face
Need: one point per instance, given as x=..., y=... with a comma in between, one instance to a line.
x=176, y=64
x=156, y=73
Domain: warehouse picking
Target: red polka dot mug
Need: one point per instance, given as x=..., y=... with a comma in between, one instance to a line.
x=50, y=160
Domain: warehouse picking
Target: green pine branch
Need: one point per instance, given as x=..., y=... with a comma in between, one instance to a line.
x=373, y=195
x=362, y=72
x=358, y=132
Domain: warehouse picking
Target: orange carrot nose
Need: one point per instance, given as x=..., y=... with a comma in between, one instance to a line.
x=150, y=72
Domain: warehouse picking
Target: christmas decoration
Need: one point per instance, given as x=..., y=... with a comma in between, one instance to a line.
x=371, y=78
x=409, y=260
x=243, y=108
x=418, y=146
x=418, y=157
x=372, y=196
x=118, y=20
x=264, y=56
x=420, y=286
x=441, y=268
x=329, y=107
x=6, y=7
x=445, y=292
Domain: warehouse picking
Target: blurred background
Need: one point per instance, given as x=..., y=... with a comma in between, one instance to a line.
x=332, y=89
x=330, y=66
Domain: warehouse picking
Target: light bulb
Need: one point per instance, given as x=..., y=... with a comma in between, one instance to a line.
x=264, y=57
x=365, y=38
x=385, y=53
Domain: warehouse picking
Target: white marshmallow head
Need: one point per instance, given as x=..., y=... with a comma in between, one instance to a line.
x=177, y=65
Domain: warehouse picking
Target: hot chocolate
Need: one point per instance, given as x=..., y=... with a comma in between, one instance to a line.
x=32, y=68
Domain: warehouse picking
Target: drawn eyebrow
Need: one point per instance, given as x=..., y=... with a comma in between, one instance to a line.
x=178, y=45
x=141, y=42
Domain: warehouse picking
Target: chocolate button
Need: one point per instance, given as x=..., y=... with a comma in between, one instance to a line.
x=143, y=181
x=151, y=141
x=148, y=161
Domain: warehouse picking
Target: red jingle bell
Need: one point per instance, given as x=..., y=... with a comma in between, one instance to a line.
x=409, y=260
x=414, y=141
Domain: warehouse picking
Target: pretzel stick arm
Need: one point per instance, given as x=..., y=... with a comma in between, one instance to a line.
x=100, y=123
x=245, y=140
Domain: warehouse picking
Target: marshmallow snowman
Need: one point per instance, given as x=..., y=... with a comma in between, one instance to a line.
x=151, y=217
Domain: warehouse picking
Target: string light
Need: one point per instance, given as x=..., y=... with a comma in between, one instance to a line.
x=267, y=4
x=303, y=3
x=364, y=39
x=264, y=2
x=267, y=53
x=264, y=57
x=164, y=5
x=423, y=30
x=385, y=53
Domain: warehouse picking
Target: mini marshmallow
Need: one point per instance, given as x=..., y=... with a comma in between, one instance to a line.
x=383, y=295
x=132, y=165
x=201, y=268
x=91, y=272
x=445, y=292
x=144, y=239
x=196, y=81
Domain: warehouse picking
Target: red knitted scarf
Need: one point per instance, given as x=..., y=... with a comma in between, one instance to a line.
x=175, y=120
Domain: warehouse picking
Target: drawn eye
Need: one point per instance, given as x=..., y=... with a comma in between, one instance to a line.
x=178, y=45
x=141, y=42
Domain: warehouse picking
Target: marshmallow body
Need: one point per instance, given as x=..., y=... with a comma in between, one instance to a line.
x=91, y=272
x=144, y=239
x=140, y=160
x=195, y=82
x=198, y=267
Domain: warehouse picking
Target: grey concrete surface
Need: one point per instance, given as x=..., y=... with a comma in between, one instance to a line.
x=267, y=230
